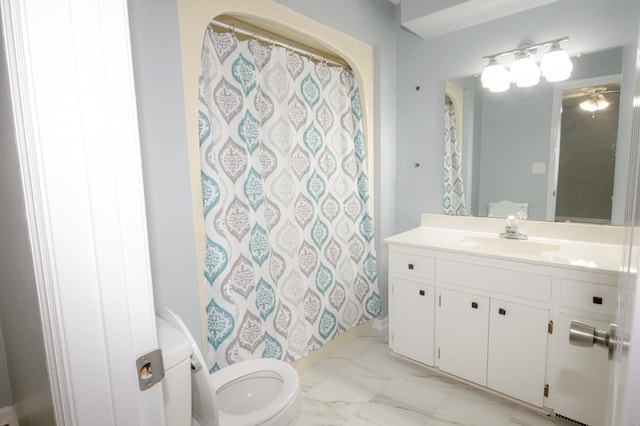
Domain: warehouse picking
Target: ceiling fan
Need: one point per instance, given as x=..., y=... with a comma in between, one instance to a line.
x=595, y=99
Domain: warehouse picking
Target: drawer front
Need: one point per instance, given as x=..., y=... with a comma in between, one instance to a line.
x=411, y=263
x=589, y=296
x=497, y=279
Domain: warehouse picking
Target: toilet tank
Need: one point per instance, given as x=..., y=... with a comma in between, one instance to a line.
x=176, y=385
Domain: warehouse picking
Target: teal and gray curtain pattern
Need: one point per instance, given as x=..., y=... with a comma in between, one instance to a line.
x=290, y=261
x=453, y=194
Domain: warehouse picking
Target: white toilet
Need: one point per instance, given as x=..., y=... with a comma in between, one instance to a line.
x=253, y=392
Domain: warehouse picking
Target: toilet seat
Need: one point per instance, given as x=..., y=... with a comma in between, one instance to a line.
x=207, y=388
x=238, y=378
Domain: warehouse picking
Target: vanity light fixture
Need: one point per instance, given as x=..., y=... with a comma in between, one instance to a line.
x=555, y=66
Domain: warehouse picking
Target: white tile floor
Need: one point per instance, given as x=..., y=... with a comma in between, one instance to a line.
x=363, y=384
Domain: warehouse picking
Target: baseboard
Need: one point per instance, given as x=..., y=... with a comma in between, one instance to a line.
x=381, y=323
x=8, y=417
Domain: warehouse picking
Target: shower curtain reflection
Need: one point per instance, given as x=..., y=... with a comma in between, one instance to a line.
x=453, y=194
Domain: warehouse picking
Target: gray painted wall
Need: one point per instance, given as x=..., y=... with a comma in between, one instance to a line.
x=160, y=99
x=375, y=22
x=26, y=382
x=429, y=63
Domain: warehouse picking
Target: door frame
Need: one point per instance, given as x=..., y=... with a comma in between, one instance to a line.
x=71, y=78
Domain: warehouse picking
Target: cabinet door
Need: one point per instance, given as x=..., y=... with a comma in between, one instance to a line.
x=518, y=350
x=582, y=375
x=462, y=335
x=411, y=320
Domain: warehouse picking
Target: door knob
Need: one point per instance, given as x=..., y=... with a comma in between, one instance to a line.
x=586, y=336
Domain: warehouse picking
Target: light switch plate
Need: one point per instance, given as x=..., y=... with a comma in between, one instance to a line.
x=538, y=168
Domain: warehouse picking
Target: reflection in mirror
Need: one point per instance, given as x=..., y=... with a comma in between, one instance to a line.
x=509, y=143
x=589, y=126
x=453, y=198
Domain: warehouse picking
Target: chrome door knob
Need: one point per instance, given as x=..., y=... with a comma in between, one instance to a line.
x=584, y=335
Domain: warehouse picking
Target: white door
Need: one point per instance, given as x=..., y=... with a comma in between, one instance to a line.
x=625, y=391
x=75, y=115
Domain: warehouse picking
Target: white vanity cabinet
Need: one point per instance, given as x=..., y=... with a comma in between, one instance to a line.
x=516, y=364
x=463, y=329
x=493, y=322
x=582, y=375
x=412, y=304
x=496, y=312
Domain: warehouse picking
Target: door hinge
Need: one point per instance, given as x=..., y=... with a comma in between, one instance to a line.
x=438, y=353
x=550, y=327
x=440, y=300
x=546, y=391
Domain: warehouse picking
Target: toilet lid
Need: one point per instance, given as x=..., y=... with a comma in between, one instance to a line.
x=203, y=396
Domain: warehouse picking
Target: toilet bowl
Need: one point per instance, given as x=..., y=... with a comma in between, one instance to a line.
x=254, y=392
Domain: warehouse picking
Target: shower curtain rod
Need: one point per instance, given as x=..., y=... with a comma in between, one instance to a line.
x=269, y=40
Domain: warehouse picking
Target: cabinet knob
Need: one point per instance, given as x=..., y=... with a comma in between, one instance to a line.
x=474, y=305
x=410, y=266
x=502, y=311
x=597, y=300
x=421, y=292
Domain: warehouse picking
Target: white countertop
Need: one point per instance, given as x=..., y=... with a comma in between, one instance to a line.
x=577, y=246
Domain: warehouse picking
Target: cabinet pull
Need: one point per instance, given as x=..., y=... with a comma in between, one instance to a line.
x=410, y=266
x=502, y=311
x=421, y=292
x=474, y=305
x=597, y=300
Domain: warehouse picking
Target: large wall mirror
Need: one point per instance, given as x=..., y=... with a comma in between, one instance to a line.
x=536, y=145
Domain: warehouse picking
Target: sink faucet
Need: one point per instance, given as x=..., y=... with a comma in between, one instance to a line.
x=511, y=230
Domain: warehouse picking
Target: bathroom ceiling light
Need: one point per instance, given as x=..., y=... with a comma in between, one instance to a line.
x=555, y=66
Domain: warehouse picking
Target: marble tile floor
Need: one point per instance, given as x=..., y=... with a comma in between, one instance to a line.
x=363, y=384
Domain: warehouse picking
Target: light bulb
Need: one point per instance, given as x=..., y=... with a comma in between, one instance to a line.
x=556, y=64
x=495, y=77
x=524, y=70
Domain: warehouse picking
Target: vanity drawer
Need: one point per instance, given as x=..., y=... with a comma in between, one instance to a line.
x=411, y=263
x=510, y=280
x=588, y=296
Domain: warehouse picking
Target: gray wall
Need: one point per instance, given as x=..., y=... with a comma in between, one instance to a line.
x=160, y=99
x=26, y=382
x=429, y=63
x=374, y=22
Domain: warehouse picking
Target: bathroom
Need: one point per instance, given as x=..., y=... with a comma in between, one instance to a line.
x=401, y=112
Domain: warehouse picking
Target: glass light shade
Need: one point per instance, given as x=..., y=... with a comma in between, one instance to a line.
x=495, y=77
x=595, y=103
x=556, y=64
x=524, y=70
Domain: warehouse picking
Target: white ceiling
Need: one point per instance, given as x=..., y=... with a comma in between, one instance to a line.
x=433, y=18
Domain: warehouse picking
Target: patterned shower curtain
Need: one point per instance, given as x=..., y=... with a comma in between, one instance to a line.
x=290, y=261
x=453, y=194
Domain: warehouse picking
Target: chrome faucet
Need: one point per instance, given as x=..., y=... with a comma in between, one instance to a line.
x=511, y=230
